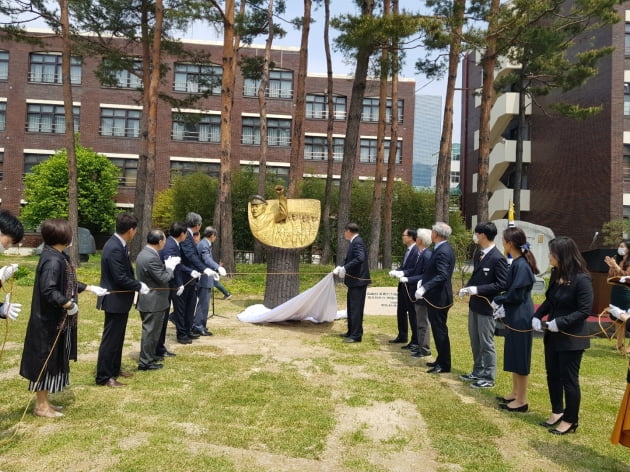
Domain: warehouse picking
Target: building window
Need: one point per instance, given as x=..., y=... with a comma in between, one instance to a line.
x=4, y=65
x=128, y=171
x=317, y=107
x=123, y=78
x=3, y=116
x=454, y=177
x=316, y=148
x=46, y=68
x=44, y=118
x=278, y=131
x=120, y=122
x=196, y=127
x=195, y=78
x=370, y=110
x=280, y=85
x=368, y=151
x=272, y=172
x=182, y=168
x=626, y=99
x=31, y=160
x=627, y=40
x=1, y=165
x=626, y=168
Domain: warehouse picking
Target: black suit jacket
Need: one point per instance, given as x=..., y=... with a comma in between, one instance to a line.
x=356, y=264
x=117, y=276
x=436, y=279
x=490, y=277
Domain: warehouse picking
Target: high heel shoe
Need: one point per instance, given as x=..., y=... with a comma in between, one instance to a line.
x=518, y=409
x=505, y=400
x=550, y=425
x=571, y=429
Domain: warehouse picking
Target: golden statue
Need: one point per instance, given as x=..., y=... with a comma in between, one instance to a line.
x=283, y=223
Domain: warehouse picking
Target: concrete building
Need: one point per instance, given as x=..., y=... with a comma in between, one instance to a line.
x=426, y=138
x=455, y=167
x=108, y=118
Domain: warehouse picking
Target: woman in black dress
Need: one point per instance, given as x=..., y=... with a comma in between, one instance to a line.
x=519, y=308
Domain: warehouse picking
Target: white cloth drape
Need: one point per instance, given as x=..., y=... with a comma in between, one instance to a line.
x=317, y=304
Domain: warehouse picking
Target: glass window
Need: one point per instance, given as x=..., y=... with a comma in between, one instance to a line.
x=4, y=65
x=626, y=166
x=128, y=171
x=31, y=160
x=454, y=177
x=196, y=127
x=1, y=165
x=316, y=148
x=182, y=168
x=368, y=151
x=273, y=172
x=125, y=78
x=196, y=78
x=626, y=99
x=317, y=107
x=278, y=131
x=3, y=116
x=370, y=110
x=46, y=68
x=250, y=130
x=280, y=85
x=627, y=40
x=120, y=122
x=44, y=118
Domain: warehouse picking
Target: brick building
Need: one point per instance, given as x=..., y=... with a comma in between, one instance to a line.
x=108, y=118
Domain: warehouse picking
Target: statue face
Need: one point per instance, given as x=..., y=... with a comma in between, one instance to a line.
x=258, y=209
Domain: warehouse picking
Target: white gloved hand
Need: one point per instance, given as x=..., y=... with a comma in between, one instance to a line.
x=536, y=324
x=144, y=288
x=7, y=272
x=210, y=273
x=171, y=262
x=499, y=313
x=10, y=310
x=617, y=313
x=73, y=310
x=392, y=273
x=624, y=279
x=472, y=290
x=98, y=291
x=222, y=271
x=494, y=305
x=420, y=293
x=194, y=274
x=463, y=292
x=404, y=280
x=552, y=326
x=336, y=270
x=180, y=290
x=399, y=273
x=342, y=272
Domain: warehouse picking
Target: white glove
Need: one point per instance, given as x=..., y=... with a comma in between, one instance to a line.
x=195, y=275
x=210, y=273
x=342, y=272
x=624, y=279
x=222, y=271
x=392, y=273
x=399, y=273
x=10, y=310
x=420, y=293
x=499, y=313
x=7, y=272
x=419, y=284
x=180, y=290
x=552, y=326
x=463, y=292
x=73, y=310
x=96, y=290
x=472, y=290
x=494, y=305
x=337, y=269
x=617, y=313
x=536, y=324
x=171, y=262
x=144, y=288
x=403, y=280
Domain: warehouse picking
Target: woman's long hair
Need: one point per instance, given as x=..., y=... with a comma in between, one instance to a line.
x=570, y=260
x=624, y=261
x=517, y=237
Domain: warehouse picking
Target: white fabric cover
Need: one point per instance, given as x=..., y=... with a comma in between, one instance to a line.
x=317, y=304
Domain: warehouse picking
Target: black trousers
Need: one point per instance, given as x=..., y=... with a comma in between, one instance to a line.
x=184, y=310
x=110, y=350
x=437, y=319
x=563, y=372
x=355, y=304
x=406, y=315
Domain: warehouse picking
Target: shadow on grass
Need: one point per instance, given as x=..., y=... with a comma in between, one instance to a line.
x=567, y=455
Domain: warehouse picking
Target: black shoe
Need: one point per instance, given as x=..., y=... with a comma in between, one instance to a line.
x=352, y=340
x=504, y=400
x=193, y=335
x=420, y=354
x=397, y=340
x=431, y=364
x=411, y=346
x=544, y=424
x=437, y=369
x=518, y=409
x=169, y=354
x=205, y=332
x=344, y=335
x=571, y=429
x=227, y=297
x=150, y=367
x=184, y=340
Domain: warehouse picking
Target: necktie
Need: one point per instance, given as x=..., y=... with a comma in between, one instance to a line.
x=406, y=255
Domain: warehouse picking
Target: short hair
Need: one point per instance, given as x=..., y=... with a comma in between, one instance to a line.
x=352, y=227
x=257, y=199
x=125, y=222
x=177, y=229
x=155, y=236
x=442, y=229
x=193, y=219
x=424, y=235
x=209, y=231
x=412, y=233
x=11, y=226
x=488, y=228
x=56, y=231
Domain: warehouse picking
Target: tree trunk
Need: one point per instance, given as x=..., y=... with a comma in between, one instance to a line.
x=443, y=181
x=283, y=281
x=518, y=166
x=73, y=191
x=296, y=169
x=352, y=135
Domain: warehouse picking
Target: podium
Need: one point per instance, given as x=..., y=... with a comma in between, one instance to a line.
x=599, y=273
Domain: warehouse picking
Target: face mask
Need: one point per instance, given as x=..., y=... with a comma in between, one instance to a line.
x=475, y=238
x=621, y=251
x=2, y=248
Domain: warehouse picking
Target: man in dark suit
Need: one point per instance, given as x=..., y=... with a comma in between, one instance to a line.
x=204, y=287
x=436, y=289
x=405, y=312
x=356, y=275
x=153, y=306
x=118, y=278
x=488, y=279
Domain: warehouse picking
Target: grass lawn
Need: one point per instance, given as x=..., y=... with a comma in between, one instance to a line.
x=292, y=397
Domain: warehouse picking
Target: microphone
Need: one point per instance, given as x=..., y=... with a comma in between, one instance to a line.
x=594, y=239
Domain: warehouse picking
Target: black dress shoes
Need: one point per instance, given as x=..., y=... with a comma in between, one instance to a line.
x=193, y=335
x=517, y=409
x=344, y=335
x=437, y=369
x=571, y=429
x=168, y=354
x=352, y=340
x=113, y=383
x=184, y=340
x=411, y=346
x=397, y=340
x=431, y=364
x=205, y=332
x=419, y=354
x=150, y=366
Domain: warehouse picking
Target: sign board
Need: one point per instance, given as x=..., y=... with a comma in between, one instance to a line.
x=381, y=301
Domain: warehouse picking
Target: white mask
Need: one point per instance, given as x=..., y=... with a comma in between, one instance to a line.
x=2, y=248
x=621, y=251
x=475, y=238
